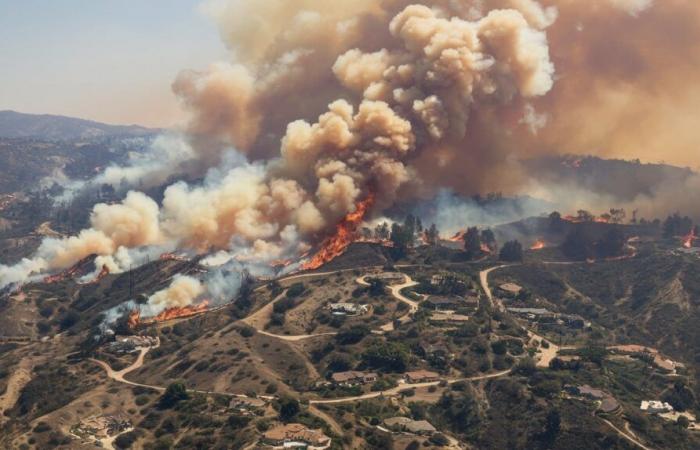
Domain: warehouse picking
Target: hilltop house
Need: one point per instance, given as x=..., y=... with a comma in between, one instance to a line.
x=353, y=378
x=655, y=407
x=448, y=319
x=296, y=435
x=421, y=427
x=509, y=290
x=350, y=309
x=421, y=376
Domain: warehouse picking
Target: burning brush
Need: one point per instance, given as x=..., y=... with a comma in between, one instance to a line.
x=346, y=234
x=538, y=245
x=690, y=238
x=168, y=314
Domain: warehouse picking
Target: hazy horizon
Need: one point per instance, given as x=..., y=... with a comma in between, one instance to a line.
x=109, y=61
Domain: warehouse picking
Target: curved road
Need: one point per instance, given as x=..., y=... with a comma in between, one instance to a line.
x=404, y=387
x=548, y=354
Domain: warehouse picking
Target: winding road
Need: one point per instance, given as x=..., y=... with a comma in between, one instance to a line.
x=404, y=387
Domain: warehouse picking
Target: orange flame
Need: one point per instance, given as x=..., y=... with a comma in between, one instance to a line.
x=134, y=319
x=486, y=249
x=538, y=245
x=103, y=273
x=171, y=257
x=688, y=240
x=67, y=274
x=458, y=237
x=168, y=314
x=345, y=235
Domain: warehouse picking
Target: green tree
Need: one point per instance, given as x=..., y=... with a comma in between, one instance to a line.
x=389, y=356
x=578, y=245
x=289, y=409
x=352, y=335
x=472, y=243
x=432, y=235
x=555, y=221
x=174, y=394
x=512, y=251
x=612, y=244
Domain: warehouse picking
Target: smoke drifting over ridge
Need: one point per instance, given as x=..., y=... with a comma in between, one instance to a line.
x=334, y=101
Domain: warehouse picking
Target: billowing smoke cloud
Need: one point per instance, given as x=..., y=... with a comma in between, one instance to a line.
x=413, y=96
x=182, y=292
x=332, y=102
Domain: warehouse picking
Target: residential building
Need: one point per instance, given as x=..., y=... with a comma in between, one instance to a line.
x=421, y=376
x=348, y=309
x=533, y=313
x=448, y=319
x=655, y=407
x=421, y=427
x=296, y=435
x=509, y=290
x=353, y=378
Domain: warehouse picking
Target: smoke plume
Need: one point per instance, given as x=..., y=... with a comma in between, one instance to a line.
x=333, y=102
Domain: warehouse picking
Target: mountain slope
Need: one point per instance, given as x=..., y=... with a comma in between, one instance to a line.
x=45, y=126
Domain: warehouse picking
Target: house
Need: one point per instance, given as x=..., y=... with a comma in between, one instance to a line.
x=590, y=392
x=448, y=319
x=665, y=365
x=574, y=321
x=606, y=402
x=439, y=303
x=296, y=435
x=655, y=407
x=352, y=378
x=471, y=301
x=124, y=345
x=397, y=423
x=348, y=309
x=509, y=290
x=421, y=376
x=609, y=405
x=533, y=313
x=421, y=427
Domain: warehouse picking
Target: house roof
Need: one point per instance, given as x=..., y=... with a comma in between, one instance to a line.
x=418, y=426
x=510, y=287
x=420, y=374
x=609, y=404
x=449, y=317
x=296, y=432
x=591, y=392
x=341, y=377
x=535, y=311
x=394, y=421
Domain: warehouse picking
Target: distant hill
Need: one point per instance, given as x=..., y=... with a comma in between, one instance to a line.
x=50, y=127
x=621, y=178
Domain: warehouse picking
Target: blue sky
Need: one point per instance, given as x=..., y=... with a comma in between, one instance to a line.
x=107, y=60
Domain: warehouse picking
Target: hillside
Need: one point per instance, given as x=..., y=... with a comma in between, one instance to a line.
x=50, y=127
x=620, y=178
